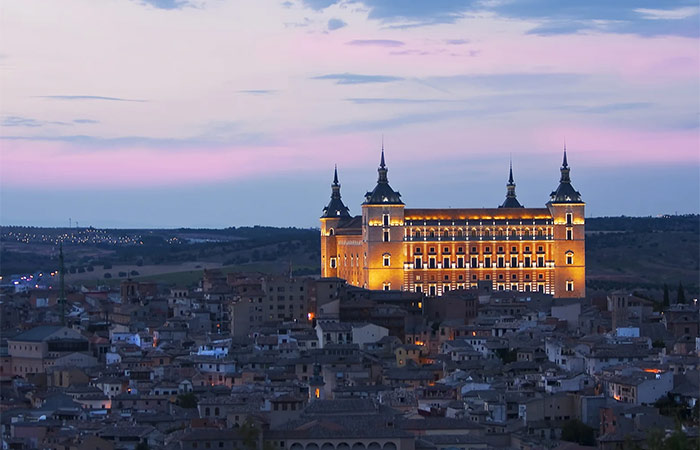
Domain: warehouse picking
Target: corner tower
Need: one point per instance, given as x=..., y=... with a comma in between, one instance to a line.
x=382, y=234
x=569, y=250
x=333, y=215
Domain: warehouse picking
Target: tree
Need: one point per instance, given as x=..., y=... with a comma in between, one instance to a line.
x=188, y=400
x=579, y=432
x=667, y=297
x=681, y=293
x=143, y=445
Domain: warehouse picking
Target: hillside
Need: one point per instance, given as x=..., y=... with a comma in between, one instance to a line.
x=640, y=253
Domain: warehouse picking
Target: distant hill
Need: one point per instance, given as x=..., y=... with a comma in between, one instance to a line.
x=639, y=253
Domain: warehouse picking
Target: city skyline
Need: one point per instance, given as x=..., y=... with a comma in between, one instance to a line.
x=169, y=113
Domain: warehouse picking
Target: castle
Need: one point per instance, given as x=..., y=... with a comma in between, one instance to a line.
x=433, y=251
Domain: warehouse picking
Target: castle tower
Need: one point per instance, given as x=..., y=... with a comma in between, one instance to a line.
x=569, y=251
x=511, y=200
x=335, y=213
x=382, y=234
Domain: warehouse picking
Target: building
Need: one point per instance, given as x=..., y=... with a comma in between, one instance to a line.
x=433, y=251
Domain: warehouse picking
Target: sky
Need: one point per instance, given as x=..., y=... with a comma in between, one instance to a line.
x=219, y=113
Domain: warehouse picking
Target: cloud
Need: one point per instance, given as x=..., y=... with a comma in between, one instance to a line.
x=16, y=121
x=85, y=121
x=318, y=5
x=168, y=4
x=257, y=91
x=668, y=14
x=90, y=97
x=334, y=24
x=390, y=101
x=456, y=41
x=376, y=42
x=352, y=78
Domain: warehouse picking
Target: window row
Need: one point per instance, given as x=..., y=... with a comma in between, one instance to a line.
x=475, y=249
x=481, y=232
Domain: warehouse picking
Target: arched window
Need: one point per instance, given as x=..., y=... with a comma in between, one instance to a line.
x=432, y=233
x=331, y=232
x=487, y=233
x=513, y=232
x=417, y=233
x=526, y=232
x=474, y=233
x=446, y=233
x=460, y=233
x=540, y=232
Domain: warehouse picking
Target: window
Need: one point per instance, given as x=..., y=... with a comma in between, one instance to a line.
x=431, y=263
x=419, y=288
x=514, y=277
x=446, y=234
x=460, y=249
x=432, y=290
x=500, y=249
x=487, y=249
x=513, y=261
x=569, y=234
x=527, y=262
x=475, y=262
x=385, y=236
x=460, y=262
x=387, y=260
x=446, y=288
x=446, y=250
x=419, y=262
x=417, y=233
x=446, y=263
x=385, y=220
x=513, y=287
x=569, y=258
x=501, y=262
x=570, y=286
x=540, y=249
x=487, y=262
x=569, y=218
x=540, y=287
x=333, y=263
x=540, y=261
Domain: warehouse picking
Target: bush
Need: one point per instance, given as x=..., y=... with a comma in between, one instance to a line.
x=579, y=432
x=134, y=273
x=122, y=274
x=108, y=275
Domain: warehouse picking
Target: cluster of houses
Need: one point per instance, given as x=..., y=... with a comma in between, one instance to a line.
x=252, y=361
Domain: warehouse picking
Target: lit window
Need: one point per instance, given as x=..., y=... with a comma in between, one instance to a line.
x=385, y=220
x=419, y=289
x=385, y=236
x=419, y=263
x=446, y=263
x=569, y=234
x=569, y=218
x=570, y=286
x=569, y=258
x=387, y=260
x=333, y=263
x=386, y=286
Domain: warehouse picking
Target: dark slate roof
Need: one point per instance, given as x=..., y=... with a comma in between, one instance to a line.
x=565, y=192
x=336, y=207
x=383, y=194
x=37, y=334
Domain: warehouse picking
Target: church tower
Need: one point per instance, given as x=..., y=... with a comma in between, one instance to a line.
x=382, y=234
x=334, y=214
x=569, y=250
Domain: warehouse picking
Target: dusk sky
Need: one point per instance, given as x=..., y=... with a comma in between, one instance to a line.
x=217, y=113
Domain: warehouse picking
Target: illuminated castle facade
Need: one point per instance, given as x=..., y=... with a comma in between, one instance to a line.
x=393, y=247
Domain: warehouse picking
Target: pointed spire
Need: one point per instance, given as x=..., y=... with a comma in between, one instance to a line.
x=381, y=163
x=565, y=193
x=511, y=199
x=510, y=178
x=336, y=207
